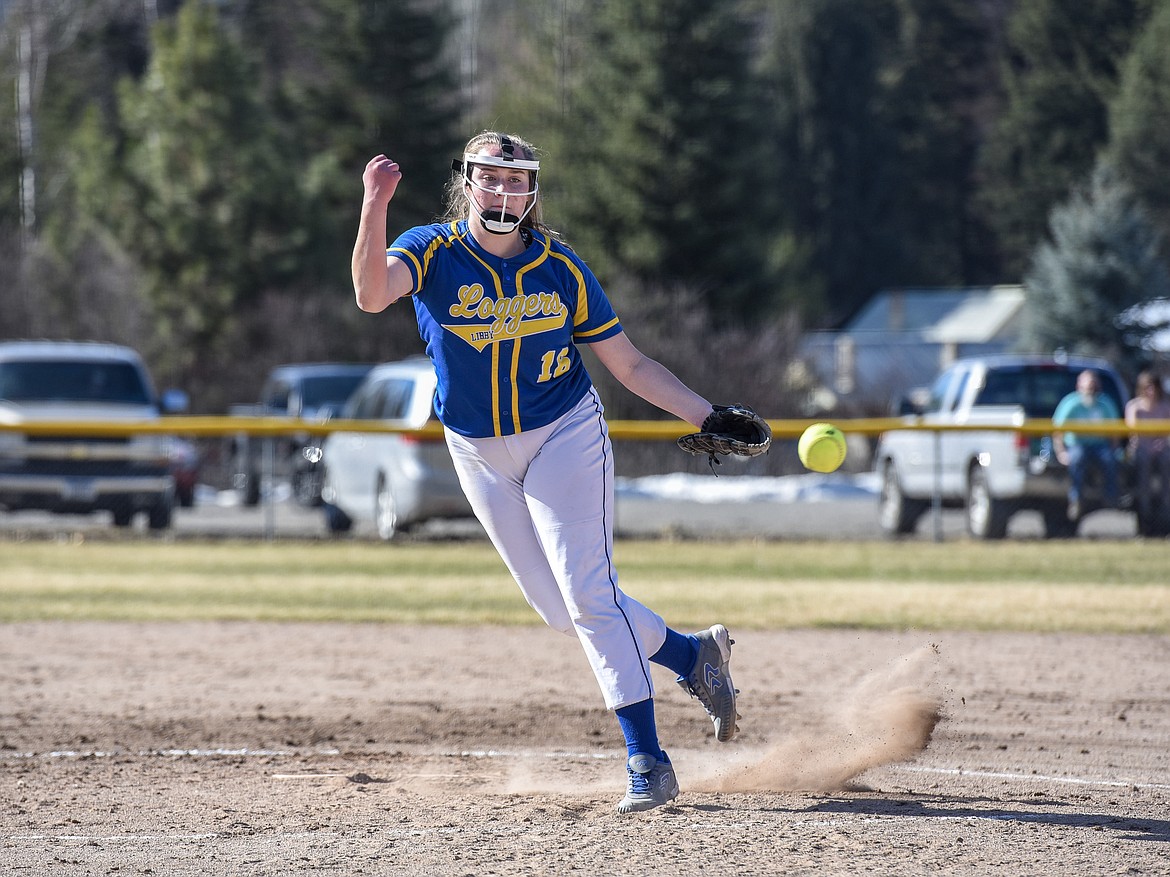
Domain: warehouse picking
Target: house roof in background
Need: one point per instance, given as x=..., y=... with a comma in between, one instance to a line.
x=902, y=337
x=966, y=315
x=979, y=319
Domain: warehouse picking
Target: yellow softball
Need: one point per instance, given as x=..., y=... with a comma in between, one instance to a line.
x=822, y=448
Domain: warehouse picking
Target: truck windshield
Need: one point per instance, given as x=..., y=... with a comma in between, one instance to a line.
x=328, y=390
x=1038, y=389
x=72, y=381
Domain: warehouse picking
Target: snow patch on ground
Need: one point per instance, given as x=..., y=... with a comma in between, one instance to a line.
x=680, y=486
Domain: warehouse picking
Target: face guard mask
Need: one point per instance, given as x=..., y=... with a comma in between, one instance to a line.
x=499, y=220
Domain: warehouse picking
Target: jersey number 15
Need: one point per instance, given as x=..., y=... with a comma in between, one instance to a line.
x=559, y=359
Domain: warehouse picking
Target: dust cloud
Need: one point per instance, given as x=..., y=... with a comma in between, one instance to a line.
x=888, y=717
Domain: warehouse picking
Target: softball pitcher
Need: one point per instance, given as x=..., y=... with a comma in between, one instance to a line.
x=502, y=304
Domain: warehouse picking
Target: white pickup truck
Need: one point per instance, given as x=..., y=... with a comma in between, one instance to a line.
x=990, y=474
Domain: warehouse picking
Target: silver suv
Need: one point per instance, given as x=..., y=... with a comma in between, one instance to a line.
x=386, y=479
x=70, y=470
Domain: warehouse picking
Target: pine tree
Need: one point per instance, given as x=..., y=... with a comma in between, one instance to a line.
x=1140, y=120
x=1085, y=286
x=199, y=194
x=653, y=146
x=831, y=145
x=377, y=76
x=934, y=63
x=1060, y=73
x=55, y=60
x=875, y=113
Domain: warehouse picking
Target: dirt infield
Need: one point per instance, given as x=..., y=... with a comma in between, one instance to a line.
x=277, y=749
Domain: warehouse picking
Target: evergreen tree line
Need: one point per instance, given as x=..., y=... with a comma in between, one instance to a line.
x=185, y=175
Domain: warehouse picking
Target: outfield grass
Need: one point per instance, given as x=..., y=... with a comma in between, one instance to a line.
x=1079, y=585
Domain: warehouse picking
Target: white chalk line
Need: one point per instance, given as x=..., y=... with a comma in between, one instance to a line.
x=244, y=752
x=82, y=754
x=522, y=754
x=388, y=832
x=1034, y=777
x=912, y=768
x=115, y=838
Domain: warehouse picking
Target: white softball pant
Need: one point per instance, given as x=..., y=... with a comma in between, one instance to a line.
x=546, y=499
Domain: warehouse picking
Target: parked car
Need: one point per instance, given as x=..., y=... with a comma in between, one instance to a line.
x=298, y=391
x=67, y=471
x=390, y=480
x=989, y=474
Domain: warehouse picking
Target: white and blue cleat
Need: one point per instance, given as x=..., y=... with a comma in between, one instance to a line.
x=710, y=681
x=650, y=783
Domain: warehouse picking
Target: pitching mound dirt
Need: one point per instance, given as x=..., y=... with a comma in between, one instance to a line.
x=233, y=749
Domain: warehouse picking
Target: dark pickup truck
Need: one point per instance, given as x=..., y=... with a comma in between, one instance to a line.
x=309, y=392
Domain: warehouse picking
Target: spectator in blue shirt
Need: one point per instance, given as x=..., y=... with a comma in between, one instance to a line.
x=1079, y=451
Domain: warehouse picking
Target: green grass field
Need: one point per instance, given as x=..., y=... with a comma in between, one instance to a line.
x=1013, y=585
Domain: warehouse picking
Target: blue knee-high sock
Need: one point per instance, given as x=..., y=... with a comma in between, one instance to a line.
x=639, y=728
x=678, y=653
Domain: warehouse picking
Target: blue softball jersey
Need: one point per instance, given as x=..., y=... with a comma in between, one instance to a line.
x=502, y=333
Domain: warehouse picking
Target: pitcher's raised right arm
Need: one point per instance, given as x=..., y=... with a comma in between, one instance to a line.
x=377, y=280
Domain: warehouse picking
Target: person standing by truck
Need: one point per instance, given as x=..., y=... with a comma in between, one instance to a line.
x=1079, y=451
x=1150, y=453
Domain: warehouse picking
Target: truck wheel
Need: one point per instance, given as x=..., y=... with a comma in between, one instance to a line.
x=123, y=517
x=1057, y=524
x=249, y=483
x=897, y=514
x=161, y=513
x=987, y=516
